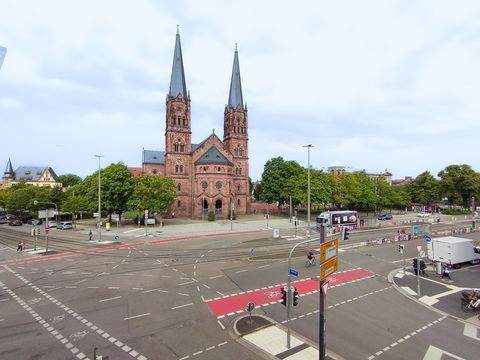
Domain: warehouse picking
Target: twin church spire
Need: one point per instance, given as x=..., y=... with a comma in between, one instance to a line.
x=178, y=84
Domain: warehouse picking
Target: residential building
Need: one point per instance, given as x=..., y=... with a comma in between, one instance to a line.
x=43, y=176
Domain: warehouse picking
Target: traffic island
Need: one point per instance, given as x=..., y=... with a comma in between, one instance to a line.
x=265, y=337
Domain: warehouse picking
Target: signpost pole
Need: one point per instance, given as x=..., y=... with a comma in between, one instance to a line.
x=418, y=274
x=321, y=318
x=46, y=230
x=36, y=236
x=145, y=220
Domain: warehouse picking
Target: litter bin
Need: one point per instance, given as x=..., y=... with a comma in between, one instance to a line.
x=107, y=226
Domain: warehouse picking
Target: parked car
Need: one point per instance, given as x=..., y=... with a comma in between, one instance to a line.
x=423, y=215
x=35, y=222
x=15, y=222
x=51, y=224
x=64, y=225
x=385, y=216
x=3, y=220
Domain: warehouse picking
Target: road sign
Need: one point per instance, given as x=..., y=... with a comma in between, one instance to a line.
x=325, y=287
x=328, y=268
x=419, y=248
x=422, y=254
x=293, y=272
x=42, y=214
x=427, y=238
x=276, y=233
x=328, y=250
x=95, y=214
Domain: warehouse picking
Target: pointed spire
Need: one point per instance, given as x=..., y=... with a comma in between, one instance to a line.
x=8, y=170
x=177, y=81
x=235, y=98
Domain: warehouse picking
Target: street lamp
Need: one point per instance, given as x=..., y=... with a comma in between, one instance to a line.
x=99, y=224
x=308, y=198
x=36, y=202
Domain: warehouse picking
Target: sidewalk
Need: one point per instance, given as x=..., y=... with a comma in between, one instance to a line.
x=195, y=227
x=265, y=336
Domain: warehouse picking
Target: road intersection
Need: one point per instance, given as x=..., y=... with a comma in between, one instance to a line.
x=160, y=299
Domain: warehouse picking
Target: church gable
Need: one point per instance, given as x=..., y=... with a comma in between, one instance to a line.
x=207, y=144
x=213, y=156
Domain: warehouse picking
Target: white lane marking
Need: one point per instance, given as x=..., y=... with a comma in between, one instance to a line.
x=183, y=294
x=133, y=230
x=434, y=353
x=216, y=277
x=45, y=324
x=241, y=271
x=406, y=337
x=181, y=306
x=186, y=283
x=263, y=266
x=136, y=316
x=408, y=290
x=221, y=325
x=109, y=299
x=160, y=290
x=58, y=303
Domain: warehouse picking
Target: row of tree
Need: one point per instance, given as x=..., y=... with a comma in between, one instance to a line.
x=120, y=192
x=283, y=179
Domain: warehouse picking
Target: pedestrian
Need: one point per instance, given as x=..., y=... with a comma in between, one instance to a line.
x=19, y=246
x=446, y=272
x=90, y=235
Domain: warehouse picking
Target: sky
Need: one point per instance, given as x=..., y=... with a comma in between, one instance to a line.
x=372, y=85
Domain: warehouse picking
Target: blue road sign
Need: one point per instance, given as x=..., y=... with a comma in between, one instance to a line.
x=427, y=238
x=293, y=272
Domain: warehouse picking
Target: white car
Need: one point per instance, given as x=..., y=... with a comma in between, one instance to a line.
x=423, y=214
x=52, y=224
x=65, y=225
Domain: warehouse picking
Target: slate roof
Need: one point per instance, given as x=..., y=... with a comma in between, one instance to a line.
x=195, y=147
x=213, y=156
x=8, y=168
x=177, y=81
x=153, y=157
x=32, y=173
x=235, y=98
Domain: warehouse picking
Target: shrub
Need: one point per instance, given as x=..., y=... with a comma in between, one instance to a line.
x=211, y=216
x=454, y=211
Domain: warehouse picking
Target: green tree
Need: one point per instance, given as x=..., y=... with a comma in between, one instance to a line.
x=74, y=200
x=424, y=189
x=276, y=173
x=68, y=180
x=153, y=193
x=257, y=190
x=21, y=197
x=458, y=183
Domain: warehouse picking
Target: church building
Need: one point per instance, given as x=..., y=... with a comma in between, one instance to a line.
x=213, y=174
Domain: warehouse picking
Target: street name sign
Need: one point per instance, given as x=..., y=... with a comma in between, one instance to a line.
x=42, y=214
x=328, y=250
x=328, y=267
x=427, y=238
x=293, y=272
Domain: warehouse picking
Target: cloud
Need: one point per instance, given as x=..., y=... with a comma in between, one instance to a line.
x=372, y=84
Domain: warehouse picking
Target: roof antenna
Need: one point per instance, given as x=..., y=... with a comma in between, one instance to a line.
x=178, y=31
x=236, y=47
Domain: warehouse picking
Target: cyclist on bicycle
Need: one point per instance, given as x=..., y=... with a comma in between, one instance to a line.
x=310, y=257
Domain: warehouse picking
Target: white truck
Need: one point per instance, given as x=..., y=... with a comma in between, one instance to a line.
x=452, y=250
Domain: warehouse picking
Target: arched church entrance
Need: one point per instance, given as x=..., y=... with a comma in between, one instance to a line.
x=218, y=207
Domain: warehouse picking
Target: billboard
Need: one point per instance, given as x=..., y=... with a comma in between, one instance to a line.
x=3, y=51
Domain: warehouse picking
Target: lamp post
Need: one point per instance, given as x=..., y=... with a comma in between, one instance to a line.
x=308, y=180
x=36, y=202
x=99, y=217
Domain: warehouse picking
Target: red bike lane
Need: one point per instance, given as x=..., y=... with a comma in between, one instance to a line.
x=236, y=303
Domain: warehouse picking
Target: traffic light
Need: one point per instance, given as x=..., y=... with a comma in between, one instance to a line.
x=401, y=248
x=295, y=297
x=345, y=233
x=284, y=296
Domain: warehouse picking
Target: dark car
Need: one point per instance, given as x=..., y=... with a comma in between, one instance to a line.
x=15, y=222
x=385, y=216
x=34, y=222
x=3, y=220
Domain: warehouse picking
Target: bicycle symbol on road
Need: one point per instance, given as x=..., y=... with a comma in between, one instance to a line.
x=271, y=294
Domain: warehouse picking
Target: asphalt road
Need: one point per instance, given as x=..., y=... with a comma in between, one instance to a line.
x=148, y=299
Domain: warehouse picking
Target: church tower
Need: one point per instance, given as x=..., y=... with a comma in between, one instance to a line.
x=235, y=136
x=178, y=133
x=8, y=174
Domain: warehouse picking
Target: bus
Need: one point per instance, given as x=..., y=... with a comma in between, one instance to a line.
x=345, y=218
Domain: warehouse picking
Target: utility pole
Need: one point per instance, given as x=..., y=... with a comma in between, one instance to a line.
x=231, y=215
x=309, y=146
x=321, y=318
x=418, y=274
x=46, y=230
x=473, y=212
x=99, y=218
x=290, y=208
